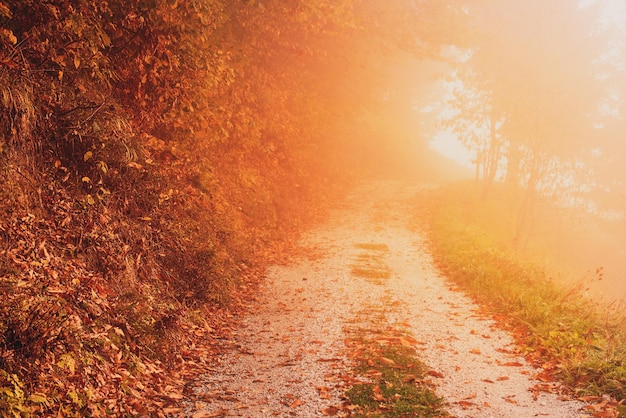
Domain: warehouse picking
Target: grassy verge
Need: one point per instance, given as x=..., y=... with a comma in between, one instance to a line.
x=392, y=381
x=575, y=340
x=395, y=383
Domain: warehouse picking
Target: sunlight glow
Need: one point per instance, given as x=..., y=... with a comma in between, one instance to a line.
x=447, y=144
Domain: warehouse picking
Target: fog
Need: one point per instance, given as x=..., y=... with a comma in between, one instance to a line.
x=530, y=96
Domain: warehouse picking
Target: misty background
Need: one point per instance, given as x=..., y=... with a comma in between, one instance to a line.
x=526, y=95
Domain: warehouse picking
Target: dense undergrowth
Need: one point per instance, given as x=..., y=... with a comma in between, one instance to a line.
x=573, y=339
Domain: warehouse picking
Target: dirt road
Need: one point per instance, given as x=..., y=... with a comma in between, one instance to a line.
x=289, y=358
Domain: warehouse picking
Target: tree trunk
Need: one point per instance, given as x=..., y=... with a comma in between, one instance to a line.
x=514, y=159
x=493, y=157
x=525, y=214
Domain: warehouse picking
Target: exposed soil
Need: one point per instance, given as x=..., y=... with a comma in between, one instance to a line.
x=289, y=357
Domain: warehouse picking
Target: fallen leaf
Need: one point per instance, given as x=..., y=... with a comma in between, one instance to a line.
x=512, y=364
x=475, y=351
x=435, y=373
x=175, y=396
x=589, y=398
x=405, y=342
x=296, y=403
x=465, y=404
x=544, y=377
x=409, y=378
x=38, y=398
x=331, y=411
x=218, y=413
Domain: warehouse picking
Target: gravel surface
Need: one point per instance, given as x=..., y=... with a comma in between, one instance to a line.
x=288, y=358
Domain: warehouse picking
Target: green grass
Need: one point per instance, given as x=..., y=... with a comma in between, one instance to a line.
x=394, y=380
x=578, y=341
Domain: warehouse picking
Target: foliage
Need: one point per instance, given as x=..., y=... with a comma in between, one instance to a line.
x=570, y=337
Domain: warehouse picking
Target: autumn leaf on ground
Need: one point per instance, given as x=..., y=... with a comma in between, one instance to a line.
x=387, y=361
x=331, y=411
x=296, y=403
x=589, y=398
x=465, y=404
x=511, y=364
x=215, y=414
x=406, y=342
x=175, y=395
x=544, y=377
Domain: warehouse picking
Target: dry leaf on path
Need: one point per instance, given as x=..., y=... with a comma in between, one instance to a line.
x=296, y=403
x=511, y=364
x=331, y=411
x=435, y=373
x=387, y=361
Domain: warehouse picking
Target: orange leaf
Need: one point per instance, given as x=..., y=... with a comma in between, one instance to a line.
x=435, y=373
x=512, y=364
x=405, y=342
x=544, y=377
x=296, y=403
x=465, y=404
x=175, y=396
x=331, y=411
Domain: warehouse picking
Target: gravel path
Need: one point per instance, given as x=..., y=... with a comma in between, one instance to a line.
x=288, y=359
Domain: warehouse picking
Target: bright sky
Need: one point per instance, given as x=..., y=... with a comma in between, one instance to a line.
x=447, y=144
x=614, y=11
